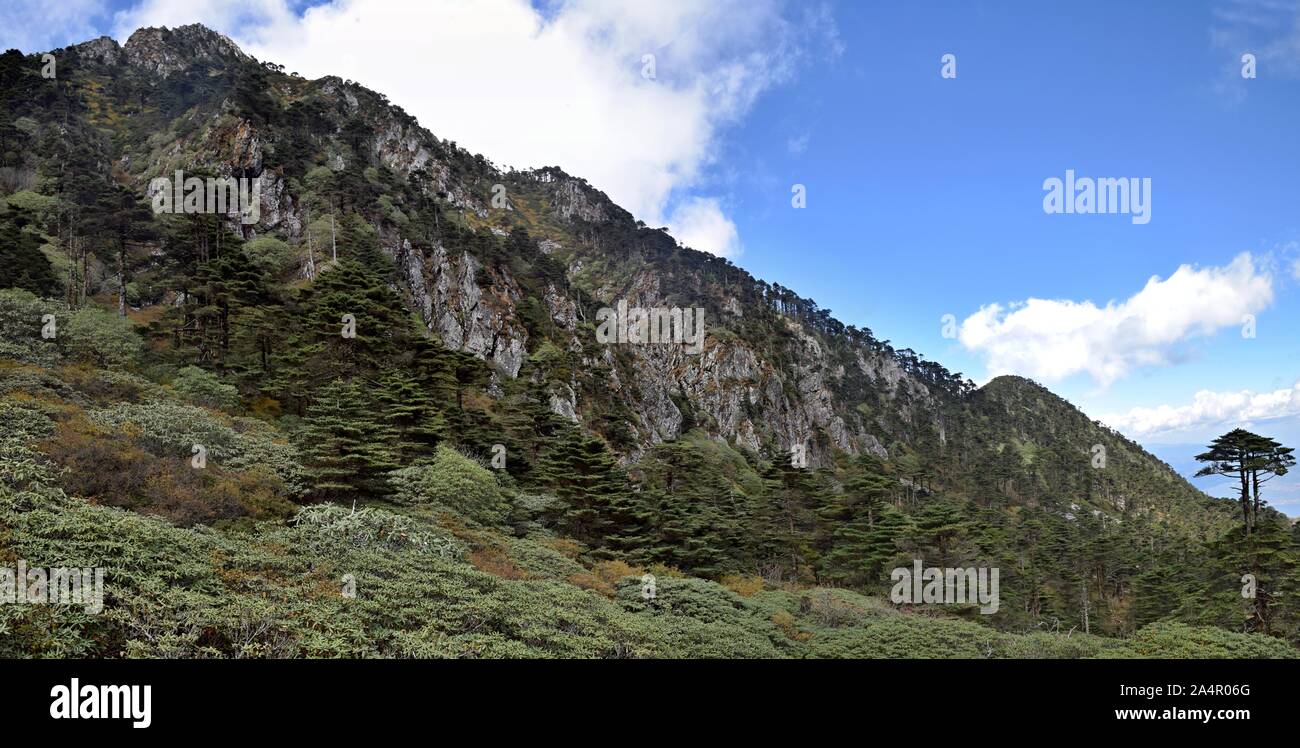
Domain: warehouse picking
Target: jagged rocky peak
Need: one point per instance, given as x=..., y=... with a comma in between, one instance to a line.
x=575, y=198
x=164, y=51
x=104, y=50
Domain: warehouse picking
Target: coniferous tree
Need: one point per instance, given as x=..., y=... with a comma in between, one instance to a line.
x=694, y=517
x=787, y=518
x=883, y=542
x=850, y=518
x=409, y=410
x=939, y=533
x=1158, y=591
x=348, y=449
x=22, y=265
x=530, y=426
x=591, y=488
x=347, y=323
x=1240, y=454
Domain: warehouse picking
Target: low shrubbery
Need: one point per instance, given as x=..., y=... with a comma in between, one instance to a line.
x=168, y=428
x=112, y=469
x=439, y=575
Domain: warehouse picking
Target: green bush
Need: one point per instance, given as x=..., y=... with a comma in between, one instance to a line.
x=453, y=481
x=21, y=314
x=541, y=560
x=270, y=255
x=102, y=385
x=34, y=381
x=40, y=206
x=1180, y=641
x=25, y=421
x=907, y=637
x=202, y=387
x=1043, y=646
x=103, y=338
x=371, y=528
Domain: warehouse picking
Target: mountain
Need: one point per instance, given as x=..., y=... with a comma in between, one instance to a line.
x=790, y=449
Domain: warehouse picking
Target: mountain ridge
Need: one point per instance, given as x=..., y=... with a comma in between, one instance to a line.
x=401, y=143
x=791, y=447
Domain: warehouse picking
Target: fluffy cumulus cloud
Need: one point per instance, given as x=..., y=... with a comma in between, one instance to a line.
x=1050, y=340
x=700, y=222
x=1209, y=409
x=631, y=95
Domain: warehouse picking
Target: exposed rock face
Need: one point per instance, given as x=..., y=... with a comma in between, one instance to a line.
x=564, y=403
x=279, y=209
x=164, y=51
x=571, y=200
x=753, y=393
x=470, y=318
x=103, y=50
x=410, y=265
x=335, y=87
x=243, y=145
x=741, y=396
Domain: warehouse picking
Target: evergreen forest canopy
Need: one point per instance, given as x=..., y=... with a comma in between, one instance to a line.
x=233, y=419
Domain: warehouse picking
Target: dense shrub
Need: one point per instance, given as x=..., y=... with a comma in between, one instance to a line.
x=742, y=584
x=103, y=338
x=1040, y=645
x=25, y=420
x=167, y=428
x=202, y=387
x=453, y=481
x=541, y=560
x=102, y=385
x=907, y=637
x=270, y=255
x=1178, y=641
x=113, y=470
x=33, y=381
x=371, y=528
x=21, y=314
x=89, y=334
x=496, y=562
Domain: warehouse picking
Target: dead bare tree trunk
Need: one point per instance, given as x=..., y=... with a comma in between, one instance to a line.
x=121, y=279
x=311, y=254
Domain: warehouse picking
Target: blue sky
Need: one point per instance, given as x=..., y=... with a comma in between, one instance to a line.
x=924, y=193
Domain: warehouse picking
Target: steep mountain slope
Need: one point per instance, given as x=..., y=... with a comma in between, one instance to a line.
x=363, y=212
x=777, y=371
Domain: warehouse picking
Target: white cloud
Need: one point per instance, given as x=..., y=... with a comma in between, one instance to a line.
x=1295, y=269
x=40, y=25
x=562, y=86
x=1054, y=339
x=700, y=223
x=1209, y=409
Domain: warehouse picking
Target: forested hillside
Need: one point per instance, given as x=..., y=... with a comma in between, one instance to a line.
x=391, y=382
